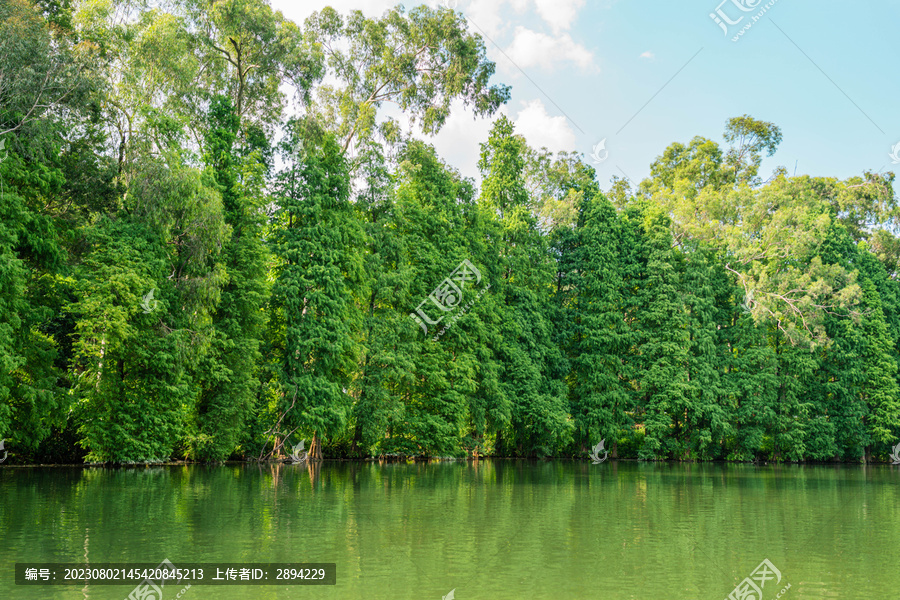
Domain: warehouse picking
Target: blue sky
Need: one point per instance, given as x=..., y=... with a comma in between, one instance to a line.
x=644, y=74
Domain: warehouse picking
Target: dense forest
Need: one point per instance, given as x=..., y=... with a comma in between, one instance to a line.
x=215, y=242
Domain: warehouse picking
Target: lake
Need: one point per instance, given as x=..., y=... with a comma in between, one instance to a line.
x=488, y=530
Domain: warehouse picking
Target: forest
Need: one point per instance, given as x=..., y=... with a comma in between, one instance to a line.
x=219, y=236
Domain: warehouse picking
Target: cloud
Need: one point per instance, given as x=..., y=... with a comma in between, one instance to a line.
x=559, y=14
x=648, y=54
x=543, y=130
x=492, y=16
x=531, y=48
x=459, y=140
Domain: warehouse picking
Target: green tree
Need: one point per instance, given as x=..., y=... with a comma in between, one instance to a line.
x=229, y=370
x=423, y=61
x=599, y=339
x=539, y=417
x=749, y=137
x=318, y=245
x=662, y=342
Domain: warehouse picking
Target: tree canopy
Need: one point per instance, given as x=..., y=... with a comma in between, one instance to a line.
x=214, y=242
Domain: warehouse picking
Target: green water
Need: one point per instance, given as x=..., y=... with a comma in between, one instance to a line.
x=492, y=530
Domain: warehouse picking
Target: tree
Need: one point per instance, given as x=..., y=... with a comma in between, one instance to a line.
x=318, y=246
x=133, y=396
x=40, y=72
x=229, y=370
x=879, y=388
x=598, y=338
x=422, y=61
x=248, y=51
x=433, y=354
x=706, y=290
x=662, y=342
x=749, y=137
x=539, y=418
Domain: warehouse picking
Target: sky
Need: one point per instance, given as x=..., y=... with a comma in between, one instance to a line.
x=620, y=80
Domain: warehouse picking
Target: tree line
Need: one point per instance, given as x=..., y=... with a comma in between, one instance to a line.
x=215, y=243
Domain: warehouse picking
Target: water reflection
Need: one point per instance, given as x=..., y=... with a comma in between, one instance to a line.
x=488, y=529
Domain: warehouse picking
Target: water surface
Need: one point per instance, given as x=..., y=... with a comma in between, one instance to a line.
x=494, y=530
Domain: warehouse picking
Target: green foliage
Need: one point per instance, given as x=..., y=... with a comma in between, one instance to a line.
x=165, y=293
x=749, y=137
x=598, y=336
x=229, y=370
x=539, y=417
x=422, y=61
x=318, y=246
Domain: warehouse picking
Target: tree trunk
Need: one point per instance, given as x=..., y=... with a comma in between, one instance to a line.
x=357, y=438
x=315, y=449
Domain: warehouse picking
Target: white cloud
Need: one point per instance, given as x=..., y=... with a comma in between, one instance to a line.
x=559, y=14
x=648, y=54
x=458, y=142
x=492, y=16
x=531, y=48
x=542, y=130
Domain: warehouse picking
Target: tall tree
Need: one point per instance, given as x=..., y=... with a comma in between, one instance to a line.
x=662, y=343
x=539, y=413
x=229, y=371
x=423, y=61
x=319, y=247
x=599, y=339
